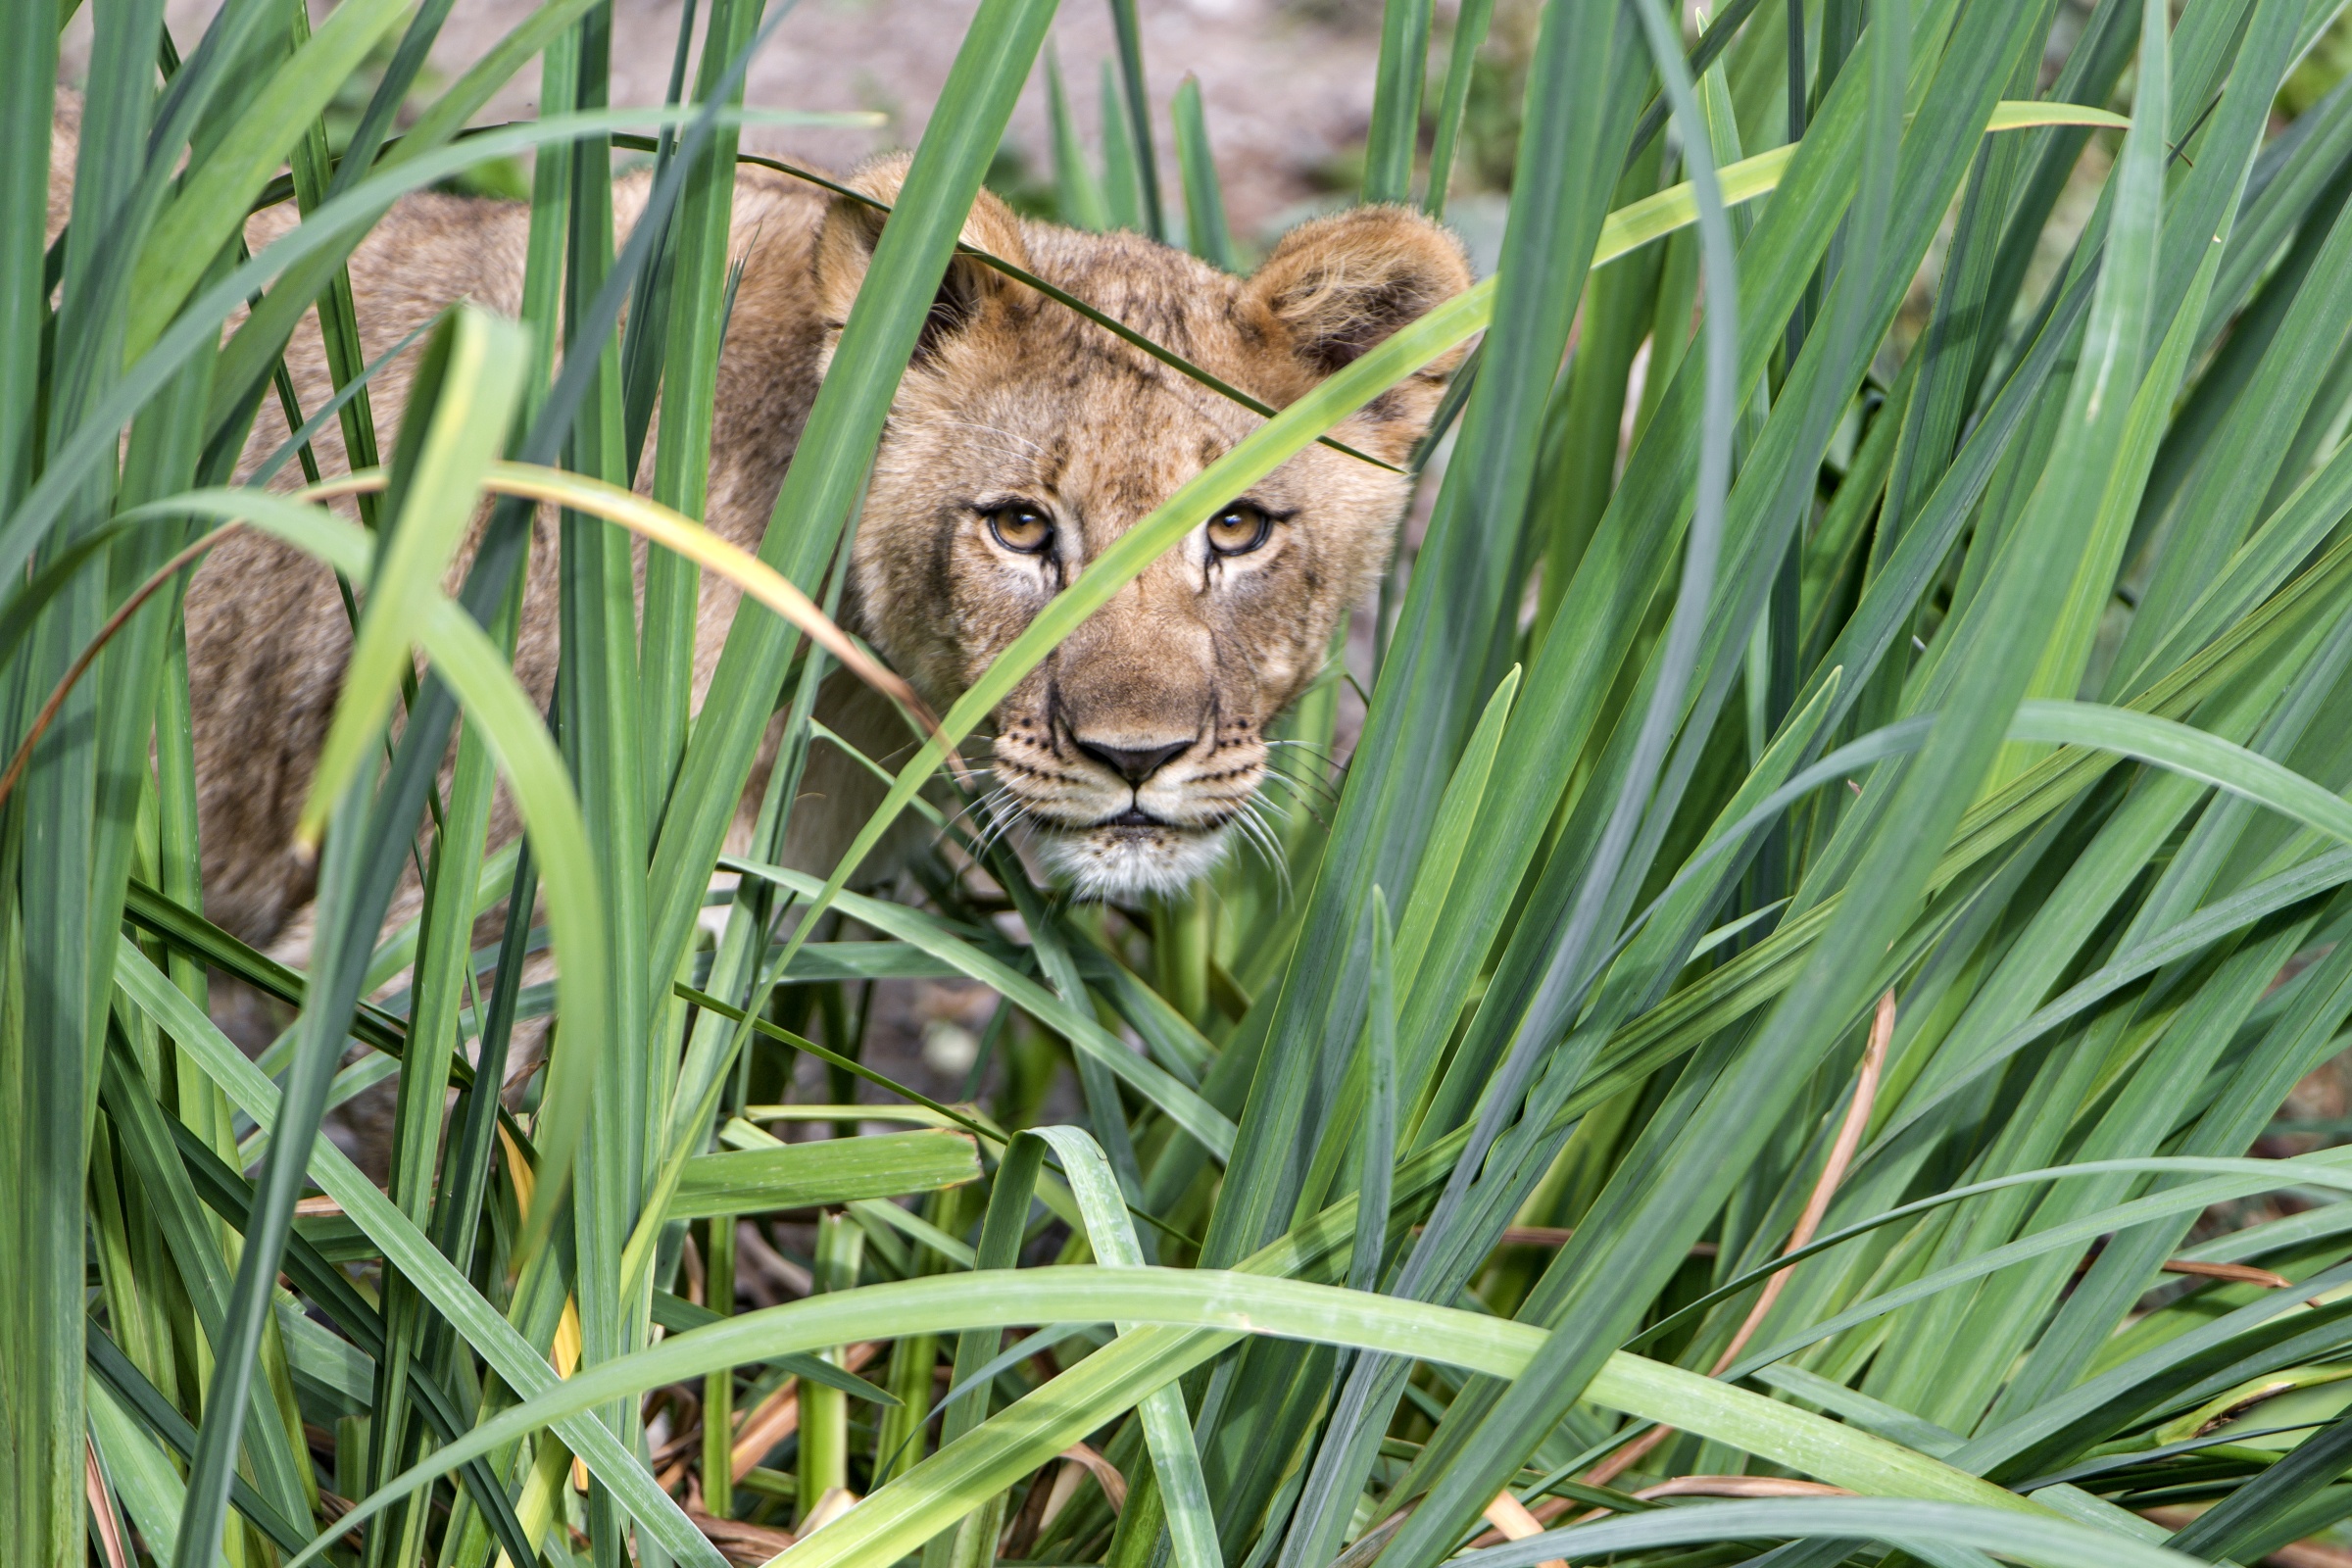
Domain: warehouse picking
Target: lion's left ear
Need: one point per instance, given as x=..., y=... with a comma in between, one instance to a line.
x=1336, y=288
x=845, y=246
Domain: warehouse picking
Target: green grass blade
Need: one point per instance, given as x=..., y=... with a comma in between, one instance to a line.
x=695, y=319
x=337, y=313
x=47, y=1035
x=408, y=63
x=1380, y=1128
x=1136, y=98
x=2218, y=920
x=30, y=52
x=471, y=380
x=1000, y=1234
x=830, y=1172
x=2178, y=1200
x=2263, y=1514
x=2190, y=752
x=2067, y=659
x=1079, y=193
x=1168, y=1426
x=149, y=1155
x=129, y=1393
x=1470, y=25
x=2181, y=1365
x=1204, y=227
x=824, y=1449
x=597, y=714
x=1449, y=833
x=1930, y=1528
x=1580, y=459
x=1395, y=132
x=1122, y=176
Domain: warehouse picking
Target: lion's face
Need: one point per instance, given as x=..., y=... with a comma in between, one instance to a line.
x=1026, y=440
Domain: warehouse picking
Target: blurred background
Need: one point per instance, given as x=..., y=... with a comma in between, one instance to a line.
x=1286, y=85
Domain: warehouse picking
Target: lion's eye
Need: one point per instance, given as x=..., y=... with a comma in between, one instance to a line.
x=1022, y=529
x=1239, y=530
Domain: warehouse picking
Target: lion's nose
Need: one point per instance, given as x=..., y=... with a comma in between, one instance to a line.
x=1134, y=763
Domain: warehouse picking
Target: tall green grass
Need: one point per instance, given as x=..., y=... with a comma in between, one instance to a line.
x=1794, y=1009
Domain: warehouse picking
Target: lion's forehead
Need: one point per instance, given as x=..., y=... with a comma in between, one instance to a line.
x=1150, y=287
x=1047, y=403
x=1080, y=427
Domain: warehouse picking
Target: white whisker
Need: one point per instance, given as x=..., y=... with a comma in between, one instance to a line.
x=1249, y=820
x=1318, y=771
x=1000, y=824
x=977, y=812
x=1306, y=795
x=993, y=829
x=1260, y=836
x=1303, y=788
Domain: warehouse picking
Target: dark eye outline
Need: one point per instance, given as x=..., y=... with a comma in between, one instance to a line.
x=1257, y=539
x=997, y=514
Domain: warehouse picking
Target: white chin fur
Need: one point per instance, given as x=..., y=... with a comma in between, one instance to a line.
x=1123, y=862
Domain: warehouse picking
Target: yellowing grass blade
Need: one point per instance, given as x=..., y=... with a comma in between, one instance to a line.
x=1636, y=224
x=674, y=531
x=471, y=376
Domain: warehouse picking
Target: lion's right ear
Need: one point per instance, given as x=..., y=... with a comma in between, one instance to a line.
x=1336, y=287
x=845, y=248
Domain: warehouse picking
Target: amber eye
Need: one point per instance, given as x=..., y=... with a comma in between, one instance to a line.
x=1239, y=530
x=1021, y=528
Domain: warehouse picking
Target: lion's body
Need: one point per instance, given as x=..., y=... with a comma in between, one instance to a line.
x=1012, y=398
x=268, y=633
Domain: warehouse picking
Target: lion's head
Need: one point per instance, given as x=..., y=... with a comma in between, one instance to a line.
x=1025, y=439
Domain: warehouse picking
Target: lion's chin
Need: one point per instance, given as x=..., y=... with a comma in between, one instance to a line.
x=1115, y=862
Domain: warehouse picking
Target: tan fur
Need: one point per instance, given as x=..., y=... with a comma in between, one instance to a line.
x=268, y=633
x=1010, y=396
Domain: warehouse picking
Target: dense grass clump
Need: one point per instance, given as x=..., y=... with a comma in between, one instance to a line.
x=1842, y=864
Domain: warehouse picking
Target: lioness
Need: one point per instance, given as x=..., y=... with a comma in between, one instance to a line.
x=1023, y=441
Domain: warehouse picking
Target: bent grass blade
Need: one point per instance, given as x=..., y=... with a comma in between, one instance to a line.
x=1211, y=1300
